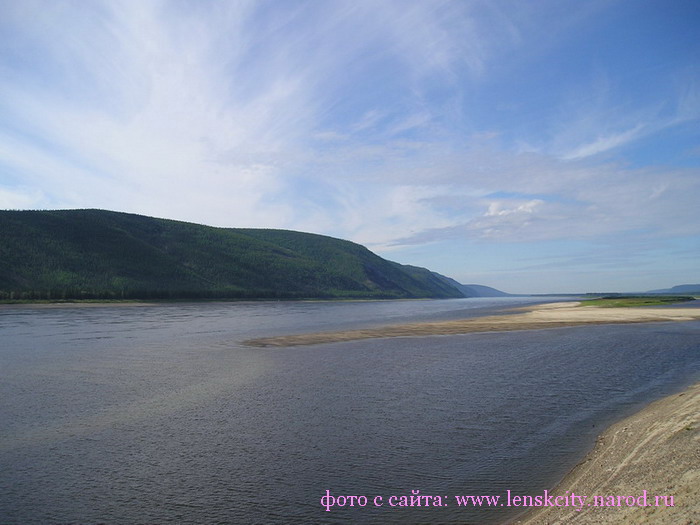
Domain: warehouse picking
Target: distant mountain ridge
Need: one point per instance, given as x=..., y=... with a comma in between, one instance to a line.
x=68, y=254
x=474, y=290
x=479, y=290
x=681, y=288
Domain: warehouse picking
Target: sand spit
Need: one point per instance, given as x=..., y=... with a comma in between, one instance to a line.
x=656, y=450
x=553, y=315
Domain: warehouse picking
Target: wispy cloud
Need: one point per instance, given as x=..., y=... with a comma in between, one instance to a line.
x=602, y=144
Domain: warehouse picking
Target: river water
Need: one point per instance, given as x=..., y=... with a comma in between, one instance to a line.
x=157, y=414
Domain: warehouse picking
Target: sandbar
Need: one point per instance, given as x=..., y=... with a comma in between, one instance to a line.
x=656, y=450
x=552, y=315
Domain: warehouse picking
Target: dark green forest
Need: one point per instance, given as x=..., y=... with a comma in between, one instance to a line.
x=97, y=254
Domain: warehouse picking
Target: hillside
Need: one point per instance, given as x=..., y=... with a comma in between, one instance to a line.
x=69, y=254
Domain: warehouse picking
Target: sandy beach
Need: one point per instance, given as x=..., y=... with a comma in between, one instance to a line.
x=656, y=450
x=552, y=315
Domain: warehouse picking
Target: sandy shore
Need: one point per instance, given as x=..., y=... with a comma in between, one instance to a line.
x=553, y=315
x=656, y=450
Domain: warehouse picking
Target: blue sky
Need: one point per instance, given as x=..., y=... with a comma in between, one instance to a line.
x=540, y=146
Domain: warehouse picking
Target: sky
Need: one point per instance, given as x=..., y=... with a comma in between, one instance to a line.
x=544, y=146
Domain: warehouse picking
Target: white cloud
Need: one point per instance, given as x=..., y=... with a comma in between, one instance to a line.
x=499, y=208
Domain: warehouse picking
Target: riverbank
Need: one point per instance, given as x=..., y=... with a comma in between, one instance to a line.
x=543, y=316
x=75, y=304
x=656, y=450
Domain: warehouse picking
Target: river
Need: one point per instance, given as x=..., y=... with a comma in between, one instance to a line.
x=133, y=414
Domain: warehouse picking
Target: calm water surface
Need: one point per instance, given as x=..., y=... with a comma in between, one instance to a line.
x=159, y=414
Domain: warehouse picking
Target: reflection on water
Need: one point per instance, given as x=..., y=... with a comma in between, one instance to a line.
x=155, y=414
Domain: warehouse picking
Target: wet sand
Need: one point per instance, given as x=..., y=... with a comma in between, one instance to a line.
x=553, y=315
x=656, y=450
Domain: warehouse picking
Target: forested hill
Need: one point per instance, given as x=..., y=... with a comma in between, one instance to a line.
x=70, y=254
